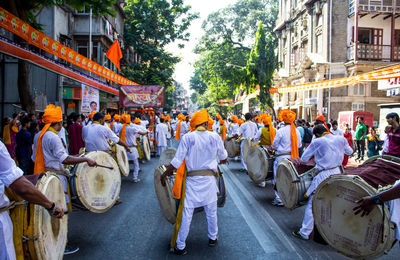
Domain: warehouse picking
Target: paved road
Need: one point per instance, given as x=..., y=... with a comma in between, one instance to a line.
x=249, y=226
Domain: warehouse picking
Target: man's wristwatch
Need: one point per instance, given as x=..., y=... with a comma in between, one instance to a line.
x=377, y=199
x=52, y=207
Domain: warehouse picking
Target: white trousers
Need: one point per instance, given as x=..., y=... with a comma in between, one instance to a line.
x=135, y=168
x=64, y=183
x=161, y=149
x=7, y=250
x=308, y=221
x=276, y=162
x=170, y=143
x=244, y=166
x=187, y=214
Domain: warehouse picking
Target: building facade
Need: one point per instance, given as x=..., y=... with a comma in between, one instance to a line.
x=72, y=29
x=316, y=42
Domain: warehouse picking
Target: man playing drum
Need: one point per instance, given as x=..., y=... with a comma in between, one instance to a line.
x=11, y=176
x=128, y=136
x=161, y=136
x=286, y=144
x=116, y=126
x=49, y=152
x=181, y=128
x=97, y=136
x=246, y=130
x=196, y=159
x=233, y=126
x=265, y=135
x=328, y=151
x=393, y=147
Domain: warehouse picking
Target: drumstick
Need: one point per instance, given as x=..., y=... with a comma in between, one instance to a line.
x=107, y=167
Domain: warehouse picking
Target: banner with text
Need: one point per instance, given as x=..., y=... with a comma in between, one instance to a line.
x=142, y=96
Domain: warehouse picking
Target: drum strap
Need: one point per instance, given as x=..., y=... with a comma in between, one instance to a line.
x=282, y=154
x=12, y=205
x=200, y=173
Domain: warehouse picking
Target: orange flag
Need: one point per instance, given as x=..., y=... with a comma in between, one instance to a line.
x=114, y=54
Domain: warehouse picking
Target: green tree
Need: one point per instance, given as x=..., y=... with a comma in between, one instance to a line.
x=28, y=11
x=226, y=46
x=149, y=26
x=261, y=66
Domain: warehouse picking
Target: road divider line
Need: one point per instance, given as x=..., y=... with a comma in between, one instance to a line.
x=256, y=227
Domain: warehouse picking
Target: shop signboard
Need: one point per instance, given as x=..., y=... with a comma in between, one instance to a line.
x=142, y=96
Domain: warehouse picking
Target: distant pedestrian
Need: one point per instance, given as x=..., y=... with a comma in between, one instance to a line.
x=361, y=131
x=23, y=150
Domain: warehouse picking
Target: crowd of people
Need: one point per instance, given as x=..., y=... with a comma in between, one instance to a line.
x=49, y=140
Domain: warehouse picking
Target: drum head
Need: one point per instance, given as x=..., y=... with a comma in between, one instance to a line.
x=165, y=196
x=246, y=147
x=98, y=188
x=122, y=160
x=50, y=233
x=230, y=147
x=287, y=190
x=257, y=164
x=352, y=235
x=167, y=156
x=146, y=147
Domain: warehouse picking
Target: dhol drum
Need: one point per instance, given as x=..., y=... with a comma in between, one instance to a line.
x=232, y=147
x=167, y=156
x=169, y=205
x=358, y=237
x=121, y=157
x=292, y=181
x=259, y=164
x=36, y=234
x=95, y=188
x=246, y=146
x=146, y=147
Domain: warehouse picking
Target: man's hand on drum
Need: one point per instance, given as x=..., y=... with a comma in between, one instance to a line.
x=365, y=206
x=224, y=161
x=170, y=169
x=91, y=162
x=57, y=212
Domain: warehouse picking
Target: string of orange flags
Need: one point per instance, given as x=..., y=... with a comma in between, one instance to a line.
x=22, y=29
x=386, y=73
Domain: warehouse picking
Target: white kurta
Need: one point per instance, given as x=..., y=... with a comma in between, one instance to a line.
x=130, y=140
x=9, y=173
x=328, y=153
x=161, y=134
x=282, y=142
x=97, y=136
x=200, y=150
x=248, y=130
x=337, y=131
x=233, y=129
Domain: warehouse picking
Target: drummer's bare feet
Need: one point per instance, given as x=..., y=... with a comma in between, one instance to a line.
x=117, y=202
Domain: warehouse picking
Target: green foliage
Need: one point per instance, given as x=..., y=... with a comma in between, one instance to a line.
x=261, y=66
x=226, y=47
x=149, y=26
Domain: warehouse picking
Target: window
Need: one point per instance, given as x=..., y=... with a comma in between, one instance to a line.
x=370, y=36
x=82, y=48
x=358, y=106
x=359, y=90
x=397, y=37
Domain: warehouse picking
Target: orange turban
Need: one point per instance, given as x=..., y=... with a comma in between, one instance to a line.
x=107, y=117
x=240, y=121
x=320, y=117
x=167, y=118
x=218, y=116
x=92, y=114
x=234, y=119
x=288, y=116
x=267, y=121
x=126, y=120
x=199, y=118
x=116, y=117
x=137, y=120
x=210, y=123
x=181, y=116
x=52, y=114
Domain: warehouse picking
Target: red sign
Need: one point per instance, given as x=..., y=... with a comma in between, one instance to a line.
x=142, y=96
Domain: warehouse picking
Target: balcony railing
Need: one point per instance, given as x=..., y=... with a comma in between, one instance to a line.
x=382, y=6
x=374, y=52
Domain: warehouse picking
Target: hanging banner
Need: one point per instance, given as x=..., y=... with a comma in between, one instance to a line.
x=90, y=99
x=142, y=96
x=22, y=29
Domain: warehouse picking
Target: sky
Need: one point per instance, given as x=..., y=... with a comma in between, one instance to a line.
x=184, y=70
